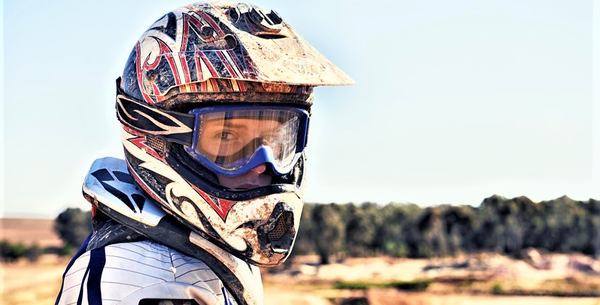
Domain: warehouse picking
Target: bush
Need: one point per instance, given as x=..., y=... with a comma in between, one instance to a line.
x=13, y=251
x=351, y=285
x=355, y=301
x=416, y=285
x=497, y=289
x=66, y=250
x=34, y=252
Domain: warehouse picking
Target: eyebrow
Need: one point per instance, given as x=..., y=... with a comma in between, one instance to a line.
x=232, y=125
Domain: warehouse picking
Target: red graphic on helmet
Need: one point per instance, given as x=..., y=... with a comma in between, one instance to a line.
x=221, y=206
x=207, y=49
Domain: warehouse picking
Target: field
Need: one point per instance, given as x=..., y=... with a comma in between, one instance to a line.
x=481, y=279
x=487, y=279
x=29, y=231
x=37, y=283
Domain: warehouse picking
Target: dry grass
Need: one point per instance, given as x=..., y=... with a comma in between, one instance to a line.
x=481, y=279
x=277, y=294
x=26, y=283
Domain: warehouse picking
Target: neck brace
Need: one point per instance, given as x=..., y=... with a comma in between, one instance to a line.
x=110, y=189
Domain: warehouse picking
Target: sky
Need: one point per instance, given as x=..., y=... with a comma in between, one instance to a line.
x=454, y=101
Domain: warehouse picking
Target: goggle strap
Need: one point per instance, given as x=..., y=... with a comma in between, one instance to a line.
x=173, y=126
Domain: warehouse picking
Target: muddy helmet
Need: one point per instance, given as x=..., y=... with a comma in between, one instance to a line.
x=215, y=64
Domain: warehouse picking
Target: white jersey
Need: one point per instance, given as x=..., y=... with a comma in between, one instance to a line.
x=127, y=273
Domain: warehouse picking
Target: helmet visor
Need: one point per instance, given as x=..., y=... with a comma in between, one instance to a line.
x=233, y=140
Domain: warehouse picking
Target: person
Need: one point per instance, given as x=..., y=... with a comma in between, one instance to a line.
x=214, y=103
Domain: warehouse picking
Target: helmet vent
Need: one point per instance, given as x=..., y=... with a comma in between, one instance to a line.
x=266, y=24
x=157, y=143
x=269, y=35
x=231, y=41
x=283, y=224
x=206, y=32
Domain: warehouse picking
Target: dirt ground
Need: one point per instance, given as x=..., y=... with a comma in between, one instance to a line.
x=25, y=283
x=459, y=280
x=277, y=295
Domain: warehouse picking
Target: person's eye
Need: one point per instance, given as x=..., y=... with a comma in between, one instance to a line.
x=226, y=136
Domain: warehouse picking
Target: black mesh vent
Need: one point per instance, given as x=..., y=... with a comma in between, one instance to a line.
x=281, y=227
x=158, y=144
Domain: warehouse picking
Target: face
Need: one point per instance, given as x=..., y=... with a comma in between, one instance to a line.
x=245, y=145
x=234, y=139
x=252, y=179
x=227, y=140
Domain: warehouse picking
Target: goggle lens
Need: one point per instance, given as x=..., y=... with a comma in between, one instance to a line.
x=236, y=140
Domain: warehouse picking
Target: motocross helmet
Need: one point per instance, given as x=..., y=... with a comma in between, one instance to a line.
x=194, y=76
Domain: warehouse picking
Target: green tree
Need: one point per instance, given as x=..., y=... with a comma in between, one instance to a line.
x=304, y=243
x=73, y=226
x=329, y=231
x=501, y=225
x=459, y=222
x=434, y=241
x=565, y=225
x=592, y=246
x=397, y=232
x=361, y=228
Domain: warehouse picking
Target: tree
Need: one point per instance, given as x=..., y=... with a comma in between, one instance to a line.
x=502, y=224
x=434, y=241
x=360, y=230
x=459, y=224
x=396, y=234
x=593, y=228
x=565, y=225
x=304, y=243
x=73, y=226
x=329, y=231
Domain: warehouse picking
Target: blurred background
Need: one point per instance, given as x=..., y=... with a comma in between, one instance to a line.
x=459, y=169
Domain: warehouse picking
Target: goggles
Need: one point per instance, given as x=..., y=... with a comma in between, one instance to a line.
x=232, y=140
x=228, y=140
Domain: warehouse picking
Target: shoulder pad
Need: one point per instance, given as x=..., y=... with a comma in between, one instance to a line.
x=108, y=183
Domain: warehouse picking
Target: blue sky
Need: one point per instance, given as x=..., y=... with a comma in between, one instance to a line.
x=454, y=100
